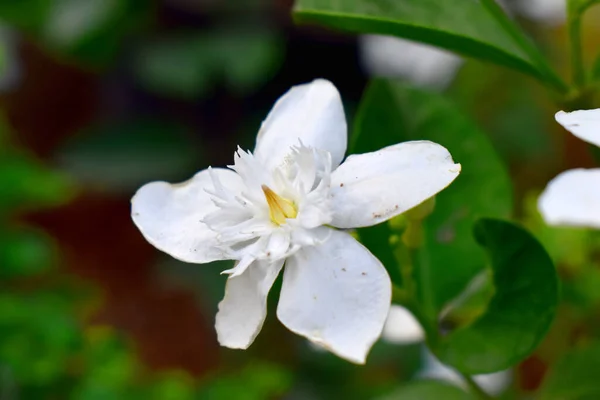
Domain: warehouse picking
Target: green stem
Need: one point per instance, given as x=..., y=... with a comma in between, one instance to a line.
x=527, y=46
x=475, y=388
x=577, y=68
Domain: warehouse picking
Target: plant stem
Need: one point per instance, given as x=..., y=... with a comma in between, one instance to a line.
x=577, y=69
x=475, y=388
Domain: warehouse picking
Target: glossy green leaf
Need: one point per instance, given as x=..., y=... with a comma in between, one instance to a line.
x=428, y=390
x=475, y=28
x=390, y=113
x=521, y=310
x=574, y=376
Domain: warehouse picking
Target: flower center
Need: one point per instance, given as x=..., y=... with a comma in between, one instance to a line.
x=280, y=209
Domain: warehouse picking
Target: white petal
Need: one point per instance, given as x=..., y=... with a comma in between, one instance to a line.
x=311, y=113
x=336, y=294
x=170, y=216
x=584, y=124
x=373, y=187
x=244, y=307
x=572, y=198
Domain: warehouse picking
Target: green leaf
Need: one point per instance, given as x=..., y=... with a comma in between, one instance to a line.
x=25, y=252
x=476, y=28
x=88, y=31
x=390, y=113
x=574, y=376
x=122, y=156
x=38, y=336
x=27, y=183
x=521, y=310
x=25, y=14
x=428, y=390
x=377, y=240
x=188, y=64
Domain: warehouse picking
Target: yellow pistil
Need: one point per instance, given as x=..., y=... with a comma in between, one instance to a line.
x=279, y=208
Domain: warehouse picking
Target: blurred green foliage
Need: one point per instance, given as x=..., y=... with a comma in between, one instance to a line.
x=50, y=348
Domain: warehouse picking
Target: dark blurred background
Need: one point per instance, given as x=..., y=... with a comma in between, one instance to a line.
x=101, y=96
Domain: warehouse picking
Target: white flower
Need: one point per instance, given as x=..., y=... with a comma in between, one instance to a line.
x=401, y=327
x=420, y=63
x=549, y=12
x=573, y=197
x=282, y=204
x=493, y=384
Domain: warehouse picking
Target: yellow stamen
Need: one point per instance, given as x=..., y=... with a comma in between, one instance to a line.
x=280, y=209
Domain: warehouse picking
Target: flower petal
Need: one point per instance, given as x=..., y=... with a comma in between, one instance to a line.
x=373, y=187
x=337, y=295
x=170, y=216
x=244, y=307
x=585, y=124
x=572, y=199
x=311, y=113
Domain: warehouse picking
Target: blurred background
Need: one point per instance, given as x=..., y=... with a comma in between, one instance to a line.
x=98, y=97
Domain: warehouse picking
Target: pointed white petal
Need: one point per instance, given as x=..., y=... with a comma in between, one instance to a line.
x=337, y=295
x=311, y=113
x=243, y=310
x=170, y=216
x=572, y=199
x=373, y=187
x=585, y=124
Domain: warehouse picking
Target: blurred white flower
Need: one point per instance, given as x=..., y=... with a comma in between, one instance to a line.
x=281, y=204
x=401, y=327
x=550, y=12
x=493, y=384
x=573, y=197
x=392, y=57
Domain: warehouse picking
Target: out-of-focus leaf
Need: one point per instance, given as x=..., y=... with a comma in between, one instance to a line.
x=121, y=157
x=27, y=183
x=38, y=336
x=111, y=367
x=596, y=69
x=172, y=386
x=189, y=64
x=248, y=59
x=519, y=313
x=92, y=31
x=390, y=113
x=176, y=66
x=574, y=376
x=25, y=252
x=25, y=14
x=256, y=381
x=472, y=28
x=428, y=390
